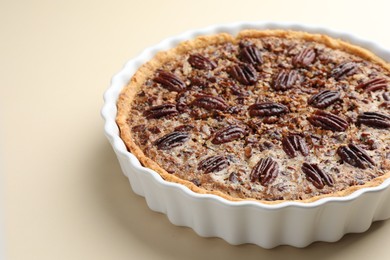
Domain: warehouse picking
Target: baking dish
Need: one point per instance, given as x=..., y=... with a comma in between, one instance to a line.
x=292, y=223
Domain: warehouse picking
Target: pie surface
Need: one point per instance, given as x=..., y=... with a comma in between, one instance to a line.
x=268, y=115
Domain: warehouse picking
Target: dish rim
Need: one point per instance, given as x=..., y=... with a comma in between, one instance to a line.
x=122, y=78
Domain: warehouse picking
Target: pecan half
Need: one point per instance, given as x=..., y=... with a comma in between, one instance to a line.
x=228, y=134
x=328, y=121
x=265, y=171
x=373, y=84
x=213, y=163
x=304, y=58
x=267, y=109
x=243, y=73
x=170, y=81
x=171, y=140
x=160, y=111
x=210, y=102
x=374, y=119
x=251, y=54
x=198, y=61
x=316, y=176
x=324, y=99
x=294, y=143
x=343, y=70
x=355, y=156
x=285, y=80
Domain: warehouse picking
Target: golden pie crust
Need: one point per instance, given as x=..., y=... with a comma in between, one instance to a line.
x=147, y=70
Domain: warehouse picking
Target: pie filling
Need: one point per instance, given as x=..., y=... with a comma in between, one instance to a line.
x=269, y=118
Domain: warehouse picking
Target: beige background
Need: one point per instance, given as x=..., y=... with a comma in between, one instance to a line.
x=63, y=194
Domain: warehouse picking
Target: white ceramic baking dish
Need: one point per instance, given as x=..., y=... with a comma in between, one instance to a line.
x=288, y=223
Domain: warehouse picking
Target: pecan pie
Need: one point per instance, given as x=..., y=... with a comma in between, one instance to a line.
x=267, y=115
